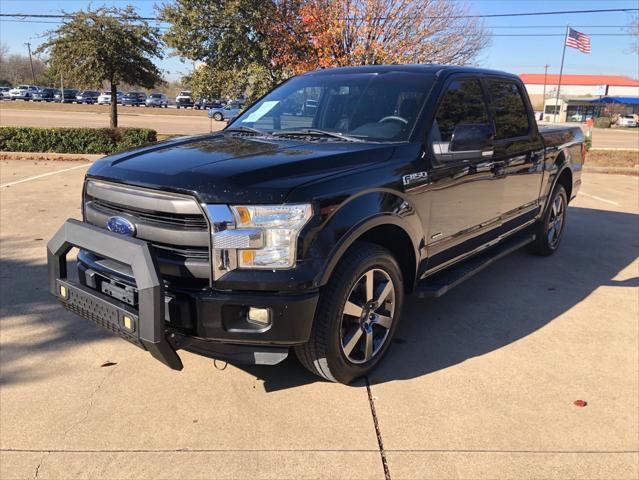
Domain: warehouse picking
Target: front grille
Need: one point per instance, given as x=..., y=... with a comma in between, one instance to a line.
x=187, y=222
x=174, y=224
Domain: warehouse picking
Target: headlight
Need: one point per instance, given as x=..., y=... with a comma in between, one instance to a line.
x=279, y=226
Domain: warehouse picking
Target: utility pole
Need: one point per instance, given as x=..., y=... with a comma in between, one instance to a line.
x=31, y=62
x=543, y=97
x=545, y=77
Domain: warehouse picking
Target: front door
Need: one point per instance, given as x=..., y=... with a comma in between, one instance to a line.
x=518, y=147
x=464, y=191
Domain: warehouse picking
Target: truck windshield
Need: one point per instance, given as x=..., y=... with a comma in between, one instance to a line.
x=367, y=106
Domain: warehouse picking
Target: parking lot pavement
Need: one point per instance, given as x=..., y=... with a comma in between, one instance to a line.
x=479, y=384
x=163, y=124
x=616, y=138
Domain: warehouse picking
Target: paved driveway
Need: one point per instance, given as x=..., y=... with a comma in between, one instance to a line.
x=479, y=383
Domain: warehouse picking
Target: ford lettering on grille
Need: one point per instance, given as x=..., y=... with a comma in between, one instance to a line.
x=121, y=225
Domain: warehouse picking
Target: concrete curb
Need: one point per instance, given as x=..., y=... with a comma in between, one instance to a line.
x=51, y=157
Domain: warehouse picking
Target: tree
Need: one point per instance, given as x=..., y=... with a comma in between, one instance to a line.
x=16, y=69
x=254, y=43
x=360, y=32
x=107, y=44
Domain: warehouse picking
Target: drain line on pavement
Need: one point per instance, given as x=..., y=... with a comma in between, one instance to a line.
x=378, y=433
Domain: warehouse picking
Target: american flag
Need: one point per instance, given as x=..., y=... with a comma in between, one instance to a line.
x=578, y=40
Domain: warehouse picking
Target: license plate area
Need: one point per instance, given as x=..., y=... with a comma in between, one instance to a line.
x=120, y=291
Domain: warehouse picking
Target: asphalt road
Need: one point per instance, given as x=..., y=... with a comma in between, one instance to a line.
x=479, y=383
x=165, y=124
x=191, y=125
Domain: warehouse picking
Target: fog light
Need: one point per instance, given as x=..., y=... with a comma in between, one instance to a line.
x=259, y=316
x=127, y=322
x=63, y=291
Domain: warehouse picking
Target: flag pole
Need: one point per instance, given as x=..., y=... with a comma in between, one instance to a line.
x=561, y=72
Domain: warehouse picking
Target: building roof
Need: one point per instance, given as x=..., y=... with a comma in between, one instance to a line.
x=594, y=80
x=622, y=100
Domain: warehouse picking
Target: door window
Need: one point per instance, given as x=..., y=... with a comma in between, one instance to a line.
x=463, y=103
x=510, y=112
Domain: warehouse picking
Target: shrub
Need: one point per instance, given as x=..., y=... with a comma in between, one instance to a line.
x=603, y=122
x=74, y=140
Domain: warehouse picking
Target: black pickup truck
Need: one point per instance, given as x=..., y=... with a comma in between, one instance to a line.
x=305, y=228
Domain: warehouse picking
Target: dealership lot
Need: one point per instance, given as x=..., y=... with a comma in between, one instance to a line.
x=192, y=122
x=479, y=384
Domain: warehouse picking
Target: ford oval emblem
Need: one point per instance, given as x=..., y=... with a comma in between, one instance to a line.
x=120, y=225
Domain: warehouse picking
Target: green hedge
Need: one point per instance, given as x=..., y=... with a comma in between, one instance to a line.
x=74, y=140
x=603, y=122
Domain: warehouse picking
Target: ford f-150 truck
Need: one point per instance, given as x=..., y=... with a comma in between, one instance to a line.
x=297, y=229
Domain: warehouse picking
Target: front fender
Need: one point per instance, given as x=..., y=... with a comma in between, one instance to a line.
x=343, y=225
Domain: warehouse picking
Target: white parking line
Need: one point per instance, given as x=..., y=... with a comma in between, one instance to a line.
x=28, y=179
x=598, y=198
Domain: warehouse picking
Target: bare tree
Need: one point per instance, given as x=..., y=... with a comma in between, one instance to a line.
x=634, y=31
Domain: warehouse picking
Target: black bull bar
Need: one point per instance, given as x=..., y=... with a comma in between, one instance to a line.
x=143, y=326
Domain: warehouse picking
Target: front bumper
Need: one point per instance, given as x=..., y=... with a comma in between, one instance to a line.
x=208, y=322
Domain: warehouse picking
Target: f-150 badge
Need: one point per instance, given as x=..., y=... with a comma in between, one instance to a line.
x=414, y=177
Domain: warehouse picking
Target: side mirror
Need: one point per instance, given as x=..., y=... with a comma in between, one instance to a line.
x=476, y=139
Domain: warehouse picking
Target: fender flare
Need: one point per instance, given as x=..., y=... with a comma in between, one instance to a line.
x=409, y=223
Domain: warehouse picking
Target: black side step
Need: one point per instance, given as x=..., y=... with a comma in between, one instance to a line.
x=441, y=282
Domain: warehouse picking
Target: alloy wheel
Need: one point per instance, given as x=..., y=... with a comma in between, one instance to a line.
x=555, y=225
x=367, y=316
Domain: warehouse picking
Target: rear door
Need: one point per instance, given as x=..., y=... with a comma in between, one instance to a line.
x=465, y=194
x=518, y=149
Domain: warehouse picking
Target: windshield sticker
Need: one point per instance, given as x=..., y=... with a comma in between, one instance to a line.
x=260, y=112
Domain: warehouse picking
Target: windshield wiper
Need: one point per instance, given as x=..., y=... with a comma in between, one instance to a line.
x=316, y=131
x=245, y=130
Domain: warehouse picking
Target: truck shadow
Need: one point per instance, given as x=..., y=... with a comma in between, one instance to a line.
x=508, y=301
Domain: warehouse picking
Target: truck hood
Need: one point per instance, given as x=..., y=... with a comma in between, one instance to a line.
x=227, y=168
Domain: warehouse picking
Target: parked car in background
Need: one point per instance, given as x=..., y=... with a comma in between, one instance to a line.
x=87, y=96
x=225, y=113
x=208, y=103
x=4, y=92
x=105, y=98
x=44, y=95
x=157, y=100
x=627, y=121
x=22, y=92
x=184, y=100
x=68, y=96
x=134, y=99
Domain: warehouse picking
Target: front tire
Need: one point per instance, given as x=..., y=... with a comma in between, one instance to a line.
x=357, y=315
x=218, y=117
x=549, y=231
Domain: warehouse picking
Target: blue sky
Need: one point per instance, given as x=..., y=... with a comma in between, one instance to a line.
x=610, y=54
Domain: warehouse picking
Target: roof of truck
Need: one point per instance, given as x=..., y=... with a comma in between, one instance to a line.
x=409, y=68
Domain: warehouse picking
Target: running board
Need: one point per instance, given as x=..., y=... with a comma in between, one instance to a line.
x=441, y=282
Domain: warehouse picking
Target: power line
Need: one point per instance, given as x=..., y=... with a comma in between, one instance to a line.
x=491, y=15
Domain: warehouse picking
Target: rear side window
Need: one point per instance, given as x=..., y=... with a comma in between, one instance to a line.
x=463, y=103
x=511, y=115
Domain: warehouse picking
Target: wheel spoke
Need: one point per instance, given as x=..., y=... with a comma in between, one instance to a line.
x=353, y=338
x=354, y=310
x=369, y=285
x=368, y=350
x=385, y=292
x=383, y=320
x=551, y=233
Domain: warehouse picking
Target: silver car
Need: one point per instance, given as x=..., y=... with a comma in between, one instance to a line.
x=157, y=100
x=224, y=113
